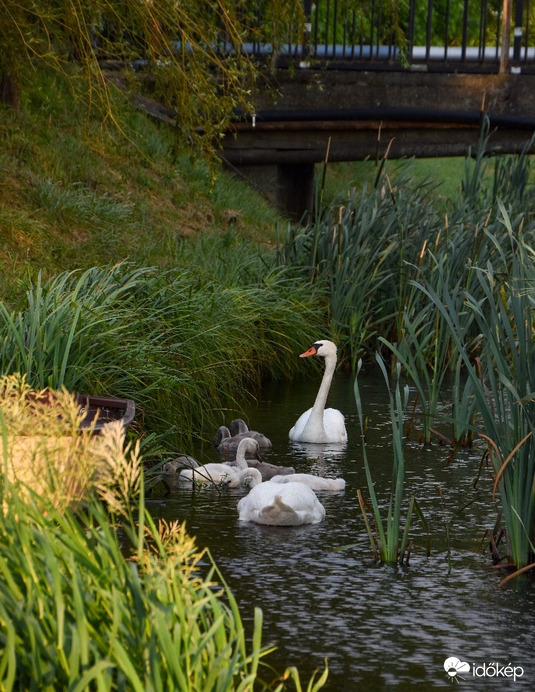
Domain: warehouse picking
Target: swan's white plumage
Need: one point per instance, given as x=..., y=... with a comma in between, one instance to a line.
x=209, y=474
x=319, y=424
x=333, y=428
x=224, y=474
x=314, y=482
x=246, y=478
x=281, y=504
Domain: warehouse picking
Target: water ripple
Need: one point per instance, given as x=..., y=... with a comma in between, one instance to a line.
x=321, y=593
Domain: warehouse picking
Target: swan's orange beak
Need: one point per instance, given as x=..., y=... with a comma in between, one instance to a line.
x=311, y=352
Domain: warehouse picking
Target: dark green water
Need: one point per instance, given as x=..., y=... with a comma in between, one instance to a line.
x=321, y=593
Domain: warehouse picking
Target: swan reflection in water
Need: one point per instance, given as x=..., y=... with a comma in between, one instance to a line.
x=323, y=452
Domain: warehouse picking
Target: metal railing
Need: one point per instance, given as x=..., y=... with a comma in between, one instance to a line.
x=461, y=35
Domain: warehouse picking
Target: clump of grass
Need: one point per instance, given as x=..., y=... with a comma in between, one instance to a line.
x=44, y=450
x=390, y=543
x=172, y=341
x=106, y=598
x=76, y=204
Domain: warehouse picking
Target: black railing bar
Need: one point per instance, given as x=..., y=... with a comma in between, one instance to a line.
x=335, y=23
x=482, y=28
x=526, y=38
x=410, y=29
x=428, y=28
x=465, y=30
x=372, y=25
x=316, y=24
x=447, y=30
x=393, y=41
x=328, y=11
x=498, y=31
x=379, y=29
x=518, y=30
x=353, y=31
x=361, y=40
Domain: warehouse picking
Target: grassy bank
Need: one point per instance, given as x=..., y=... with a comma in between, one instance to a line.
x=77, y=192
x=129, y=270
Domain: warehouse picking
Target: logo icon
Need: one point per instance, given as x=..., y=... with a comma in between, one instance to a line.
x=454, y=667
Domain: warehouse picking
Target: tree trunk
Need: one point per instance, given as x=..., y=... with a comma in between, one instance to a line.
x=10, y=90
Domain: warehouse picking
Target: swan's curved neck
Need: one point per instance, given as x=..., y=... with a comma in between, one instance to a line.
x=241, y=461
x=316, y=415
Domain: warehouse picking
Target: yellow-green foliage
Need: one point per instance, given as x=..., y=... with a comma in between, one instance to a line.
x=44, y=450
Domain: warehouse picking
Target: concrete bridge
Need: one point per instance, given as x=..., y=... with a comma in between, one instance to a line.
x=355, y=100
x=348, y=115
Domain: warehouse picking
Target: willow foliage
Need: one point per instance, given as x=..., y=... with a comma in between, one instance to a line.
x=177, y=42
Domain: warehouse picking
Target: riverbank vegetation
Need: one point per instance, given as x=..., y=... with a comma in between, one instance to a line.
x=194, y=263
x=446, y=291
x=94, y=594
x=129, y=270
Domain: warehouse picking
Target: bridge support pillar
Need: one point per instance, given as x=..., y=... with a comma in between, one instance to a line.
x=288, y=186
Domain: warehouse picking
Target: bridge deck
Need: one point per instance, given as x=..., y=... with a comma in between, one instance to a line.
x=354, y=115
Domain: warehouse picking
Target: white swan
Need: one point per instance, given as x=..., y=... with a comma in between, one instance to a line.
x=314, y=482
x=246, y=478
x=222, y=474
x=281, y=504
x=209, y=474
x=319, y=424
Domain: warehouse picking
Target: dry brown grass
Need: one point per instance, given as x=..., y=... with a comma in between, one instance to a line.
x=45, y=452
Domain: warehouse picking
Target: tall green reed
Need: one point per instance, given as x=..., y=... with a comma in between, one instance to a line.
x=426, y=350
x=390, y=542
x=503, y=375
x=488, y=178
x=357, y=250
x=186, y=347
